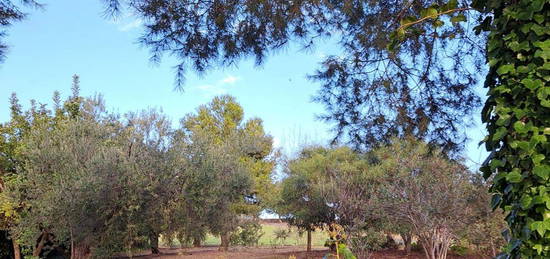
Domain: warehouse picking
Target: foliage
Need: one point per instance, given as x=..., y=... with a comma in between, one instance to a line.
x=235, y=175
x=281, y=235
x=370, y=93
x=483, y=235
x=435, y=214
x=459, y=250
x=248, y=233
x=362, y=243
x=11, y=12
x=517, y=113
x=310, y=186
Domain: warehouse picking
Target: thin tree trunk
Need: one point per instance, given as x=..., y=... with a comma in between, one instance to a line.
x=309, y=240
x=40, y=245
x=16, y=249
x=154, y=240
x=196, y=242
x=224, y=242
x=407, y=241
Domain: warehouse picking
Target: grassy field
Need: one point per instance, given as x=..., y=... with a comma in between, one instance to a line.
x=318, y=237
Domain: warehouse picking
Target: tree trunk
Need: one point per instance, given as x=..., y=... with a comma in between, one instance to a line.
x=309, y=240
x=224, y=242
x=81, y=251
x=154, y=241
x=40, y=245
x=407, y=241
x=16, y=249
x=196, y=242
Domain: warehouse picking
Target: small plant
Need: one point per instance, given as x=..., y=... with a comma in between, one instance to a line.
x=281, y=235
x=337, y=244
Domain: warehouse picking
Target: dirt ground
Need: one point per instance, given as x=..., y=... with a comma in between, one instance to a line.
x=274, y=253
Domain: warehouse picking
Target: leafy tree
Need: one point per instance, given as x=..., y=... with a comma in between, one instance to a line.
x=426, y=190
x=75, y=180
x=309, y=197
x=221, y=122
x=484, y=234
x=149, y=149
x=223, y=119
x=215, y=184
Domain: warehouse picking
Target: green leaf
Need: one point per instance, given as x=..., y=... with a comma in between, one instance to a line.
x=430, y=12
x=532, y=84
x=544, y=45
x=438, y=23
x=543, y=171
x=495, y=163
x=505, y=69
x=520, y=127
x=539, y=30
x=500, y=133
x=537, y=5
x=538, y=139
x=452, y=4
x=537, y=158
x=525, y=201
x=538, y=226
x=539, y=18
x=514, y=176
x=458, y=18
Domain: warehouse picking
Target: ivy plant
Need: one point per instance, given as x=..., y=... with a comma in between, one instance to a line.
x=517, y=115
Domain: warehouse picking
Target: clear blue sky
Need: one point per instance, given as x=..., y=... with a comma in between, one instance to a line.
x=71, y=37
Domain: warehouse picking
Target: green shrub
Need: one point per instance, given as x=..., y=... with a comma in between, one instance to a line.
x=281, y=235
x=247, y=234
x=364, y=242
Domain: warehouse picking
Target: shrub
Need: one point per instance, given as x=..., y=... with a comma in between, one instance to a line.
x=281, y=235
x=364, y=242
x=247, y=234
x=460, y=250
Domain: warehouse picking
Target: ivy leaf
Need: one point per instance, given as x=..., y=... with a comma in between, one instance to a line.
x=539, y=18
x=500, y=133
x=505, y=69
x=520, y=127
x=544, y=45
x=537, y=5
x=525, y=201
x=514, y=176
x=543, y=171
x=532, y=84
x=537, y=158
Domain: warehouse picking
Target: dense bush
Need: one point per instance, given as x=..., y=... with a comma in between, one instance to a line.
x=248, y=233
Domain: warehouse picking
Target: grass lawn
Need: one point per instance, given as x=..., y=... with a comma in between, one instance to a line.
x=318, y=237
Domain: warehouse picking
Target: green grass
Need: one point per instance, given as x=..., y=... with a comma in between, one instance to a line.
x=318, y=237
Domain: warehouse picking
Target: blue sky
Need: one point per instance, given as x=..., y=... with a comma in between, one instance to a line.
x=72, y=37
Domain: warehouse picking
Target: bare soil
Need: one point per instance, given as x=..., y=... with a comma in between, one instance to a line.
x=275, y=253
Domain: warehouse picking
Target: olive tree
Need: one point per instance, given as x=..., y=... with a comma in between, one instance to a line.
x=425, y=189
